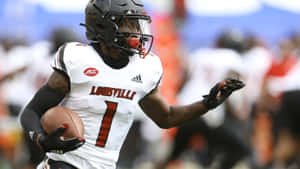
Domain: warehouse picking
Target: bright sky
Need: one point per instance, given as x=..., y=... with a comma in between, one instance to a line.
x=222, y=7
x=61, y=5
x=201, y=7
x=240, y=7
x=291, y=5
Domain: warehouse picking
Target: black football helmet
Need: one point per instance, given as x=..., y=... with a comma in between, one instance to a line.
x=104, y=17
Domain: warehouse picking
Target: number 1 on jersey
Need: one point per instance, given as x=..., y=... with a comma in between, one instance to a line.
x=106, y=123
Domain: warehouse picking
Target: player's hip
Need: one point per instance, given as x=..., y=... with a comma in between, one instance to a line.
x=54, y=164
x=82, y=160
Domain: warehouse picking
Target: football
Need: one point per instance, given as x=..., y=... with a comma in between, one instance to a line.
x=55, y=117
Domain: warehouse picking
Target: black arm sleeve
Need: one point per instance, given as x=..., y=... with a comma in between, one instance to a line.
x=44, y=99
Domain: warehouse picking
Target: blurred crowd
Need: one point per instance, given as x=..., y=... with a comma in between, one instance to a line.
x=257, y=128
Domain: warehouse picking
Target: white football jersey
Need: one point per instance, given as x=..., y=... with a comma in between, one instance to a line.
x=105, y=99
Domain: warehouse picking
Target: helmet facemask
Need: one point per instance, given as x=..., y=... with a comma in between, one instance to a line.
x=136, y=37
x=129, y=32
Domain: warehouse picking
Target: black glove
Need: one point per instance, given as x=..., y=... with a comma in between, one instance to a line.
x=54, y=143
x=221, y=91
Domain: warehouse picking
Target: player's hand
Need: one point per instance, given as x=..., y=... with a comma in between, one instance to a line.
x=219, y=93
x=54, y=142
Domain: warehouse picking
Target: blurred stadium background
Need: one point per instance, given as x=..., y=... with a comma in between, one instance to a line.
x=271, y=19
x=30, y=29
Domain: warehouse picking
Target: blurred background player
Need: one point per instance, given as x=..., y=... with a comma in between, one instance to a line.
x=209, y=133
x=25, y=73
x=42, y=54
x=286, y=148
x=11, y=147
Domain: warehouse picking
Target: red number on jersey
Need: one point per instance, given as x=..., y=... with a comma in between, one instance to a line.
x=106, y=123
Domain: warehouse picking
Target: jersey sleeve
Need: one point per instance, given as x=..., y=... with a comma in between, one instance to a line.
x=69, y=60
x=58, y=62
x=156, y=73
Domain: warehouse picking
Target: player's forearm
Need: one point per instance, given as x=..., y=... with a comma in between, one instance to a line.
x=178, y=115
x=44, y=99
x=30, y=121
x=166, y=116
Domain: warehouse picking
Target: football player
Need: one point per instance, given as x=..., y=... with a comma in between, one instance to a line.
x=103, y=82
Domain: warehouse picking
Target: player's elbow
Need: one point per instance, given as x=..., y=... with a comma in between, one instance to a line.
x=28, y=118
x=168, y=120
x=164, y=124
x=25, y=117
x=23, y=120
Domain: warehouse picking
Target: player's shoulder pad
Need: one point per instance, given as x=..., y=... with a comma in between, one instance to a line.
x=154, y=62
x=153, y=70
x=75, y=50
x=153, y=65
x=68, y=55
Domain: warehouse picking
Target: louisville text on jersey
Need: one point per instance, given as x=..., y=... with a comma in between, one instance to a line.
x=115, y=92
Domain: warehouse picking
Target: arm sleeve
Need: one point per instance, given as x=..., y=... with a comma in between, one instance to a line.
x=44, y=99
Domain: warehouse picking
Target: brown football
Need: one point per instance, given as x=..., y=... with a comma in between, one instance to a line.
x=55, y=117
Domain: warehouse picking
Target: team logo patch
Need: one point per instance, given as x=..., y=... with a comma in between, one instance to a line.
x=91, y=71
